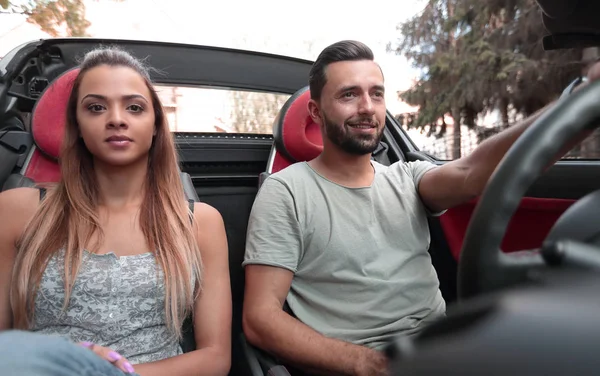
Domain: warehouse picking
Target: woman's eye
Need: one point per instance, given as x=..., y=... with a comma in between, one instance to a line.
x=95, y=107
x=135, y=108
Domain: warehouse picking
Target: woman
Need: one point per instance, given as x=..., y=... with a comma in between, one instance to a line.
x=112, y=258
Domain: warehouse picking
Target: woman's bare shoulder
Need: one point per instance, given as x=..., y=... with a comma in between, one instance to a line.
x=204, y=212
x=25, y=196
x=211, y=234
x=210, y=225
x=18, y=205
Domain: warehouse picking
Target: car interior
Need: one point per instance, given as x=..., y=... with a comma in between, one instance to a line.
x=529, y=223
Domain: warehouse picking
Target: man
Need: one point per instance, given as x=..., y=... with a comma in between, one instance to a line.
x=344, y=239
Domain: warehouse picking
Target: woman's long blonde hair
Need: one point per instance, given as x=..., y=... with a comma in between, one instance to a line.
x=68, y=217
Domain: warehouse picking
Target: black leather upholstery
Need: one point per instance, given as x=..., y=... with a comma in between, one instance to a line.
x=188, y=342
x=188, y=187
x=15, y=143
x=260, y=362
x=16, y=181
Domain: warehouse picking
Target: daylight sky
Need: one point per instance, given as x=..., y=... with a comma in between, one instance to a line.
x=298, y=28
x=302, y=29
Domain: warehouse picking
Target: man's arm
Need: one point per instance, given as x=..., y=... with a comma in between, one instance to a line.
x=270, y=328
x=274, y=248
x=465, y=178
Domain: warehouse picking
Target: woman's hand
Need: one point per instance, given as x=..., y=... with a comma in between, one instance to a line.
x=111, y=356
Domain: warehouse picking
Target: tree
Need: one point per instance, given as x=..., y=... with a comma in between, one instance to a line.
x=55, y=17
x=254, y=112
x=432, y=44
x=480, y=56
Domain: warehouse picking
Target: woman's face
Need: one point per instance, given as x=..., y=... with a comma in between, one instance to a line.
x=115, y=115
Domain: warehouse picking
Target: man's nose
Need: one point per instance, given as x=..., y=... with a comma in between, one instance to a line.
x=366, y=105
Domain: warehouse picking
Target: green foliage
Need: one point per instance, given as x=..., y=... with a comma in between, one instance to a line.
x=55, y=17
x=477, y=56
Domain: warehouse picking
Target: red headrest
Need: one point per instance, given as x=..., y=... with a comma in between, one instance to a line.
x=50, y=114
x=297, y=136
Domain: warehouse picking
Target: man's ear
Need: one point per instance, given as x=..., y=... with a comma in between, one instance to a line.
x=314, y=111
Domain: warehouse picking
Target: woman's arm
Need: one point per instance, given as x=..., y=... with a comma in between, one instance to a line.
x=212, y=321
x=17, y=206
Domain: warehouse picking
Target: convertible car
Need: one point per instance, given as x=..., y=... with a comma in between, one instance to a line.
x=517, y=266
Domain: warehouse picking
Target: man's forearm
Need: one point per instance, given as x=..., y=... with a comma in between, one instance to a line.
x=466, y=178
x=486, y=157
x=302, y=347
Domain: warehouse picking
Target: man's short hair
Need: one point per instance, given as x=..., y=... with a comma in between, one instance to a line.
x=346, y=50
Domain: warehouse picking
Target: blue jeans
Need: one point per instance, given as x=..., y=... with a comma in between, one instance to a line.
x=26, y=353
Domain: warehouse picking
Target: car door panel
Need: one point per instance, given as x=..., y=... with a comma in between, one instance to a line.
x=544, y=202
x=527, y=229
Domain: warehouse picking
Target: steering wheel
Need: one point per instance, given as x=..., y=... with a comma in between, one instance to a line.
x=574, y=240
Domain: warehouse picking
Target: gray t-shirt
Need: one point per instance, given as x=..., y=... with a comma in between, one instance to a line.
x=359, y=256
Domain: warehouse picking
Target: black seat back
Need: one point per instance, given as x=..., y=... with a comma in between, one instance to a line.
x=188, y=342
x=15, y=143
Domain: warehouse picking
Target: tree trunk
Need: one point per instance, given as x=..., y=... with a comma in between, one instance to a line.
x=590, y=147
x=456, y=139
x=504, y=112
x=442, y=131
x=595, y=144
x=456, y=115
x=469, y=116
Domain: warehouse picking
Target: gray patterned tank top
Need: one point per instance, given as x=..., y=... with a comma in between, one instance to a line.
x=117, y=302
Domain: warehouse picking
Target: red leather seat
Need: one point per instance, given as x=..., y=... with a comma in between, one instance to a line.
x=47, y=127
x=297, y=137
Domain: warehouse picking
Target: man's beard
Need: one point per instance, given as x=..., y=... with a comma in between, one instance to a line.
x=357, y=144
